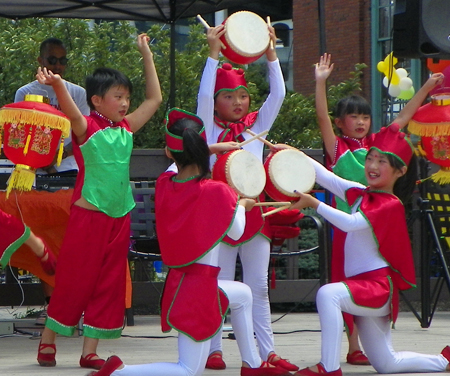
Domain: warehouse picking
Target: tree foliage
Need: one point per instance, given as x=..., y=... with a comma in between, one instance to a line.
x=94, y=44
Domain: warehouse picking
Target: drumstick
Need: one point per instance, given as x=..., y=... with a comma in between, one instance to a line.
x=256, y=136
x=276, y=210
x=205, y=24
x=268, y=143
x=274, y=203
x=271, y=41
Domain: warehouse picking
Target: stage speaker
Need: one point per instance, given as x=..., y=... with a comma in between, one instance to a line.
x=422, y=29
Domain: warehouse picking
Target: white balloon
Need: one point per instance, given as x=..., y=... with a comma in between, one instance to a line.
x=402, y=72
x=394, y=90
x=405, y=83
x=385, y=81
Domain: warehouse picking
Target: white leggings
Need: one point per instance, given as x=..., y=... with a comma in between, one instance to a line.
x=374, y=332
x=255, y=257
x=192, y=355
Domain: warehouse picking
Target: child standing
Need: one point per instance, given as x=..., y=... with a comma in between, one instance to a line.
x=345, y=156
x=92, y=263
x=378, y=259
x=14, y=233
x=223, y=105
x=191, y=250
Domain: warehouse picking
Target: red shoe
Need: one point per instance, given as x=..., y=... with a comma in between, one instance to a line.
x=357, y=358
x=446, y=353
x=49, y=265
x=308, y=372
x=46, y=360
x=109, y=367
x=215, y=361
x=88, y=362
x=283, y=363
x=265, y=370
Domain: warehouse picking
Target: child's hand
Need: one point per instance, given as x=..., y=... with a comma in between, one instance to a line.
x=306, y=201
x=213, y=35
x=247, y=203
x=142, y=43
x=271, y=52
x=434, y=80
x=47, y=77
x=324, y=67
x=277, y=147
x=222, y=147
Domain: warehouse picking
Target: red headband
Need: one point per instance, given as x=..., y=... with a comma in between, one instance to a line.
x=391, y=141
x=230, y=79
x=174, y=142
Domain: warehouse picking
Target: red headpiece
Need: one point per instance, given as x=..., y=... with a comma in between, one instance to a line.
x=174, y=142
x=229, y=78
x=391, y=141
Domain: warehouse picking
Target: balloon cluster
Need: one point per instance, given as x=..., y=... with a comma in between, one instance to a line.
x=397, y=82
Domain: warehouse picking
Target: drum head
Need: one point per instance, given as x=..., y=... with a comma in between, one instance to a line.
x=247, y=33
x=290, y=170
x=245, y=173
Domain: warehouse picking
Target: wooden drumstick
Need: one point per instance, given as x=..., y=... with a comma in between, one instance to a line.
x=271, y=41
x=268, y=143
x=256, y=136
x=276, y=210
x=274, y=203
x=205, y=24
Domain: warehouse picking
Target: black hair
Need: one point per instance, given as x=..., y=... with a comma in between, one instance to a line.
x=50, y=42
x=353, y=104
x=103, y=79
x=195, y=149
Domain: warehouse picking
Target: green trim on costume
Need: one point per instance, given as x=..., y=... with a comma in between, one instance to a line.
x=59, y=328
x=185, y=180
x=14, y=246
x=236, y=88
x=100, y=333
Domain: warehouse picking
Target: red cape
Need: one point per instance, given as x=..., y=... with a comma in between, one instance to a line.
x=192, y=217
x=384, y=212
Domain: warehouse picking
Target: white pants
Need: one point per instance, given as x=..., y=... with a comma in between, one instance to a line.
x=192, y=355
x=374, y=332
x=255, y=257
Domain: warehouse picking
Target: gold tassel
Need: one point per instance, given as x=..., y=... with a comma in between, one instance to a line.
x=429, y=129
x=442, y=176
x=60, y=152
x=22, y=179
x=27, y=144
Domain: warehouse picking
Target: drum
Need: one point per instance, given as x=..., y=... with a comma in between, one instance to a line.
x=246, y=37
x=242, y=171
x=288, y=170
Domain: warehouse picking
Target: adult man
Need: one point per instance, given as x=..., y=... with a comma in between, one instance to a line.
x=53, y=56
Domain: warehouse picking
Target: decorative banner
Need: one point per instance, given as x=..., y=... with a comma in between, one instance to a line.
x=32, y=132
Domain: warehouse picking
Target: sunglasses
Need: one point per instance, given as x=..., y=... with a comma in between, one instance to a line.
x=53, y=59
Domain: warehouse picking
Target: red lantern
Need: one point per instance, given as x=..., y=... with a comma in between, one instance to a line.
x=32, y=131
x=432, y=123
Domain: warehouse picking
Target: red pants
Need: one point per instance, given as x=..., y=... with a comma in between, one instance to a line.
x=91, y=275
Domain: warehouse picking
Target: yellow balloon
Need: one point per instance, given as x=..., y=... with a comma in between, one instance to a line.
x=380, y=66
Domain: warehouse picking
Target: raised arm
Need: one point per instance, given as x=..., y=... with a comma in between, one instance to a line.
x=322, y=72
x=153, y=97
x=413, y=105
x=68, y=106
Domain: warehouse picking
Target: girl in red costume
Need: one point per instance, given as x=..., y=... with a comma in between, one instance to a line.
x=193, y=214
x=14, y=233
x=223, y=105
x=346, y=153
x=378, y=259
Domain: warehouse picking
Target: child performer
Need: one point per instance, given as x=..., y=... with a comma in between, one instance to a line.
x=14, y=233
x=92, y=263
x=378, y=258
x=223, y=105
x=194, y=263
x=345, y=155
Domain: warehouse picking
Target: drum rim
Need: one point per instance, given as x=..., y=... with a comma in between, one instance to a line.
x=273, y=181
x=228, y=177
x=239, y=52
